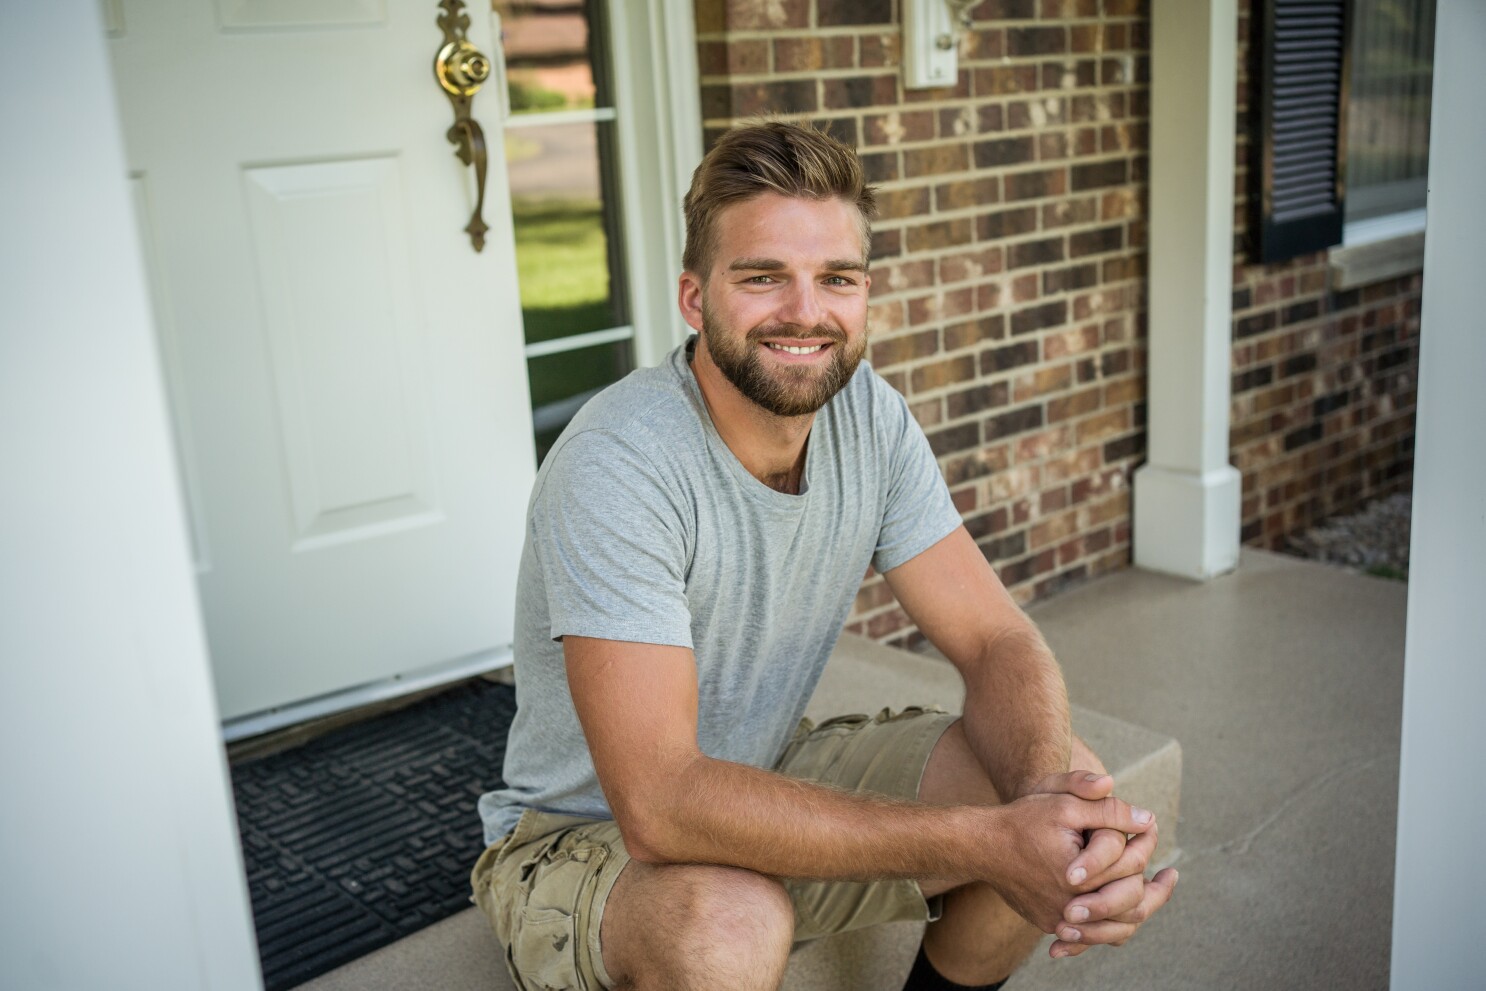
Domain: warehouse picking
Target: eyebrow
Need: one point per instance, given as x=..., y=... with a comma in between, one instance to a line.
x=774, y=265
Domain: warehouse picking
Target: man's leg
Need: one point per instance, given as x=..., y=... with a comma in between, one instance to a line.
x=676, y=927
x=978, y=940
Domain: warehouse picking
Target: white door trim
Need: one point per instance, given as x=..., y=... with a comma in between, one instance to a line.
x=657, y=87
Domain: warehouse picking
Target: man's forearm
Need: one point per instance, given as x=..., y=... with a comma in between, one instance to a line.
x=723, y=813
x=1016, y=712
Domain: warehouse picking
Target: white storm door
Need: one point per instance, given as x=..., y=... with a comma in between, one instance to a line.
x=347, y=376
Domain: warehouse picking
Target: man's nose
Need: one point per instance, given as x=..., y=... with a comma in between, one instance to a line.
x=801, y=304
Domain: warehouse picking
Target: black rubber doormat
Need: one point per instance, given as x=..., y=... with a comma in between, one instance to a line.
x=368, y=834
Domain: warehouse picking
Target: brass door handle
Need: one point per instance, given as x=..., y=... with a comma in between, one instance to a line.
x=461, y=69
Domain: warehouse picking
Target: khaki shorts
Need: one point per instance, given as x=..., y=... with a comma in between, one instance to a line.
x=544, y=885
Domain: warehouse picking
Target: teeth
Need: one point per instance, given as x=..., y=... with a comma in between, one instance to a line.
x=795, y=350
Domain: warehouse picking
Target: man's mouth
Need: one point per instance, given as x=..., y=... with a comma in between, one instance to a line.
x=794, y=349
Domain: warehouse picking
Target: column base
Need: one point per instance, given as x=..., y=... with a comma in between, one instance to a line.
x=1187, y=524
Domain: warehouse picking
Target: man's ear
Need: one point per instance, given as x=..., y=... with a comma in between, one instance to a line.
x=689, y=299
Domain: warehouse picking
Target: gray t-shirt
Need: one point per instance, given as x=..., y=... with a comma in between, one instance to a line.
x=644, y=527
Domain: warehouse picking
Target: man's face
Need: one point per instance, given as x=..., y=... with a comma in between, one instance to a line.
x=783, y=311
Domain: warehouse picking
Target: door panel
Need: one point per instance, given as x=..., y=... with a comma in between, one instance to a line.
x=351, y=396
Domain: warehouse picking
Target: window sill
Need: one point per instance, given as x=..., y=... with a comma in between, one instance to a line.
x=1356, y=265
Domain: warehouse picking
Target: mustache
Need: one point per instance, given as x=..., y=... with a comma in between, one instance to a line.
x=789, y=330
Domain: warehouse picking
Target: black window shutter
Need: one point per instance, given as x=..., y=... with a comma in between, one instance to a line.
x=1299, y=175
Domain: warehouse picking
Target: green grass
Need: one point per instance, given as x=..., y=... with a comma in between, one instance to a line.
x=562, y=262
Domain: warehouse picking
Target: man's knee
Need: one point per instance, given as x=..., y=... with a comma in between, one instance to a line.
x=698, y=925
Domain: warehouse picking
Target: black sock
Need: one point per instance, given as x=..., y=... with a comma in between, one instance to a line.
x=923, y=977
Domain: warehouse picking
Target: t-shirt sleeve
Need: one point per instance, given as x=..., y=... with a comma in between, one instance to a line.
x=919, y=511
x=611, y=545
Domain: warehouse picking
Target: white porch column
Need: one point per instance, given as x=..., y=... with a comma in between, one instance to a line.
x=1439, y=872
x=121, y=862
x=1187, y=496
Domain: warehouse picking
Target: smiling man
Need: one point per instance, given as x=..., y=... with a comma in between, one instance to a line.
x=694, y=543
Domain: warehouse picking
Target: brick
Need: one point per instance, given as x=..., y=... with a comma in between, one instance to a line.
x=952, y=439
x=1034, y=253
x=1036, y=317
x=1104, y=426
x=880, y=167
x=1042, y=382
x=1093, y=175
x=1065, y=211
x=1004, y=151
x=886, y=244
x=942, y=373
x=812, y=54
x=1096, y=241
x=1042, y=445
x=1297, y=365
x=967, y=193
x=1006, y=223
x=880, y=50
x=940, y=234
x=1052, y=146
x=897, y=204
x=1036, y=41
x=830, y=13
x=903, y=348
x=1125, y=447
x=896, y=127
x=757, y=15
x=1258, y=323
x=1002, y=80
x=859, y=91
x=790, y=96
x=1071, y=342
x=1072, y=277
x=976, y=399
x=935, y=160
x=1302, y=437
x=974, y=332
x=1010, y=356
x=976, y=264
x=1078, y=404
x=1033, y=185
x=1015, y=422
x=1024, y=288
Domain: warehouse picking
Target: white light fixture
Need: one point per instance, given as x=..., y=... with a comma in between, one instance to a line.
x=931, y=41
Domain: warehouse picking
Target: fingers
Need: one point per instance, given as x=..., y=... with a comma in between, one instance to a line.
x=1111, y=813
x=1090, y=785
x=1102, y=852
x=1074, y=939
x=1109, y=856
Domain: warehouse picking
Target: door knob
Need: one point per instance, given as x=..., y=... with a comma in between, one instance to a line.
x=462, y=68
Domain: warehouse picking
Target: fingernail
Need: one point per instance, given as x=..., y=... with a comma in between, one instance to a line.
x=1092, y=777
x=1060, y=951
x=1140, y=815
x=1077, y=875
x=1078, y=914
x=1070, y=935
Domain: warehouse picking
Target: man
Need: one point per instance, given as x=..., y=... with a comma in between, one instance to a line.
x=695, y=540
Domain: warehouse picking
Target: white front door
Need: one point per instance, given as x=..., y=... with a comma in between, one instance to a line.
x=347, y=376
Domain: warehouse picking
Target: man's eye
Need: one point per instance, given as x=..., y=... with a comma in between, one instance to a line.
x=760, y=280
x=839, y=280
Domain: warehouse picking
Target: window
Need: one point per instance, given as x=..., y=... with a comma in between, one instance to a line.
x=562, y=164
x=1342, y=118
x=1392, y=55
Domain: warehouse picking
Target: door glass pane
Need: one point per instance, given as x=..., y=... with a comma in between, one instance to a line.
x=550, y=63
x=566, y=218
x=562, y=383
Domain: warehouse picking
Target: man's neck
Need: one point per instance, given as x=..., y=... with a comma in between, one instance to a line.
x=770, y=447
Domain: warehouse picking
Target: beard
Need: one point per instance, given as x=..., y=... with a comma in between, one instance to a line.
x=782, y=390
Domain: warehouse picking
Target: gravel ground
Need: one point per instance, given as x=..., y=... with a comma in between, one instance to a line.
x=1375, y=540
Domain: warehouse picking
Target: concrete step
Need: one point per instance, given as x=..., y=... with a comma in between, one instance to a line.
x=461, y=954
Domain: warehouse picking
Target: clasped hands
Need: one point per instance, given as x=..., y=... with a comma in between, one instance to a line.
x=1081, y=863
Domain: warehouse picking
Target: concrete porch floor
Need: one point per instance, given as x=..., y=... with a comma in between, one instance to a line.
x=1283, y=684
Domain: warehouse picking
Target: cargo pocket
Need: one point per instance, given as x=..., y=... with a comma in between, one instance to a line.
x=544, y=951
x=546, y=943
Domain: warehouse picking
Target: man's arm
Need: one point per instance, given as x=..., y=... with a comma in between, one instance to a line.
x=1016, y=721
x=1016, y=707
x=673, y=804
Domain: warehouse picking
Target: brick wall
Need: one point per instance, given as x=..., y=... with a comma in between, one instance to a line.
x=1009, y=280
x=1323, y=382
x=1008, y=261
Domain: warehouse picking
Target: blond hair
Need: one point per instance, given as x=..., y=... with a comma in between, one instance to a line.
x=771, y=156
